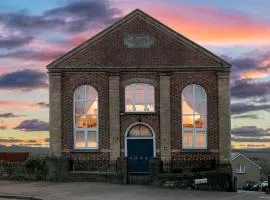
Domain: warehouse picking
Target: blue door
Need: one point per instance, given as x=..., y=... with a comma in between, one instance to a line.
x=139, y=152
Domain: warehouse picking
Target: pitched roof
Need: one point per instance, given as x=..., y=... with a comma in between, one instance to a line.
x=236, y=155
x=148, y=18
x=233, y=155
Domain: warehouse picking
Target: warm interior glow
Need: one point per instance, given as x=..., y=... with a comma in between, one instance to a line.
x=80, y=139
x=91, y=121
x=86, y=117
x=188, y=138
x=80, y=121
x=186, y=108
x=139, y=97
x=92, y=108
x=200, y=139
x=194, y=117
x=92, y=139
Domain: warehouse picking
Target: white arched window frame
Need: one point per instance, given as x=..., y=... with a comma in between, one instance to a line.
x=145, y=135
x=139, y=97
x=85, y=120
x=194, y=117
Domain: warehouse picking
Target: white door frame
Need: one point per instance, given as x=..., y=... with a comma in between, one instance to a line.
x=132, y=138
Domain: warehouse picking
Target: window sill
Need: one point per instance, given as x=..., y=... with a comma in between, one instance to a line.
x=138, y=113
x=240, y=172
x=195, y=150
x=85, y=150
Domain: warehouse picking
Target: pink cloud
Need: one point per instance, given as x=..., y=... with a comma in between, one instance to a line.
x=22, y=105
x=208, y=24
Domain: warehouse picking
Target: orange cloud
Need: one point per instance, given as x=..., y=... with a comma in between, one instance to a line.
x=208, y=24
x=5, y=105
x=10, y=124
x=254, y=74
x=241, y=145
x=40, y=142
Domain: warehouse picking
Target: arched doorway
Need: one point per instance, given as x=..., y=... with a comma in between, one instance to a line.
x=139, y=146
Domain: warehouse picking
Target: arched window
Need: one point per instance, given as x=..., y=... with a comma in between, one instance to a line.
x=139, y=97
x=194, y=117
x=85, y=118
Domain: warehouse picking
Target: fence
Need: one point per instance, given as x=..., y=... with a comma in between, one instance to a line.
x=194, y=165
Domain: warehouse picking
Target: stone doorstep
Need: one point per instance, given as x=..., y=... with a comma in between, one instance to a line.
x=7, y=196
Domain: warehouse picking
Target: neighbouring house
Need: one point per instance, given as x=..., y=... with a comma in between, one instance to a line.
x=245, y=169
x=140, y=90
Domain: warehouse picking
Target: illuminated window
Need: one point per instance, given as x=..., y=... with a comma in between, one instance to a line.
x=139, y=97
x=194, y=120
x=85, y=118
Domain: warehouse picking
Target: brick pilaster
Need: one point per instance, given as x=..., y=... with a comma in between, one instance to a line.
x=224, y=117
x=114, y=116
x=165, y=118
x=55, y=113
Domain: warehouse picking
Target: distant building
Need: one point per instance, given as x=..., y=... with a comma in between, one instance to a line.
x=245, y=169
x=138, y=90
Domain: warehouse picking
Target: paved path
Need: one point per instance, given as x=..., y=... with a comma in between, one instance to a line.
x=106, y=191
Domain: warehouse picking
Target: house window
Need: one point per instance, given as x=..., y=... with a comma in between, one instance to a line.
x=139, y=97
x=240, y=169
x=85, y=118
x=194, y=117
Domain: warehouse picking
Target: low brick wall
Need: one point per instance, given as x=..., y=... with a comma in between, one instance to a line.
x=64, y=169
x=20, y=171
x=108, y=177
x=218, y=180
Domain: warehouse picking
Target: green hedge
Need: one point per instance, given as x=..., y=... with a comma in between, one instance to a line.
x=38, y=166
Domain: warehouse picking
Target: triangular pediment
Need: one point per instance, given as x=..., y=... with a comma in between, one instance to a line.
x=138, y=40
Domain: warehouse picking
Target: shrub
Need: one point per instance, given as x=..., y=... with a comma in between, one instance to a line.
x=38, y=166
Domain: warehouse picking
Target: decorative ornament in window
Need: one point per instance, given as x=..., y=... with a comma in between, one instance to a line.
x=139, y=97
x=85, y=118
x=194, y=117
x=140, y=131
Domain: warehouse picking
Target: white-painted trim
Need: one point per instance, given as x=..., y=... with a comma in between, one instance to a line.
x=239, y=154
x=153, y=136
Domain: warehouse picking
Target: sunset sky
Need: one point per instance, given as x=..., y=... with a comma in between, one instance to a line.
x=34, y=33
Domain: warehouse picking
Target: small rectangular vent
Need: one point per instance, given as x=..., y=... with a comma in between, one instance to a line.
x=132, y=41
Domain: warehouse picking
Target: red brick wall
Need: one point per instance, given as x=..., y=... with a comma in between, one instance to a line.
x=111, y=51
x=100, y=82
x=166, y=51
x=150, y=119
x=208, y=81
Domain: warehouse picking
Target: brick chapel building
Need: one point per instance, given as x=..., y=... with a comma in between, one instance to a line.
x=138, y=88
